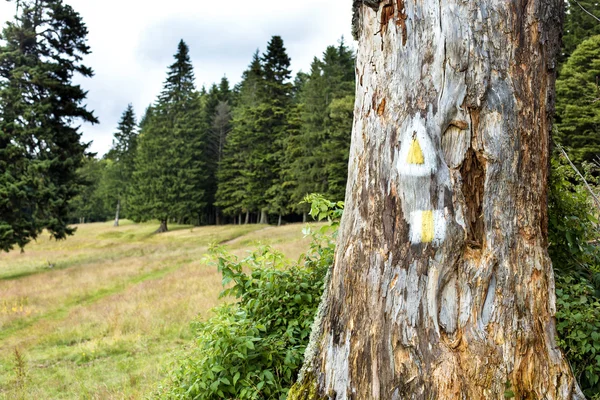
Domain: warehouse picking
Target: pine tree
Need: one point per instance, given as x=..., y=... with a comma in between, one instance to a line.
x=40, y=143
x=269, y=160
x=234, y=172
x=121, y=170
x=169, y=166
x=578, y=101
x=215, y=105
x=319, y=152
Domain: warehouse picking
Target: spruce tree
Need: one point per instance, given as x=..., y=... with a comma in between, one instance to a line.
x=40, y=142
x=578, y=101
x=216, y=101
x=272, y=131
x=234, y=173
x=169, y=165
x=120, y=172
x=319, y=152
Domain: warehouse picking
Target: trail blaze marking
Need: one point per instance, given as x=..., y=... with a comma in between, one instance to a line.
x=427, y=226
x=415, y=154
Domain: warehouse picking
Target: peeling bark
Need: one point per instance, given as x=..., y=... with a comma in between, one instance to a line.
x=442, y=287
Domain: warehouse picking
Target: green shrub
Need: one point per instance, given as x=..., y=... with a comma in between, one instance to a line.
x=254, y=348
x=572, y=227
x=576, y=258
x=578, y=315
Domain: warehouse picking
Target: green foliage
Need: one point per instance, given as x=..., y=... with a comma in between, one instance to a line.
x=578, y=101
x=576, y=260
x=572, y=224
x=318, y=152
x=169, y=179
x=253, y=349
x=40, y=148
x=252, y=171
x=578, y=319
x=579, y=25
x=117, y=182
x=93, y=203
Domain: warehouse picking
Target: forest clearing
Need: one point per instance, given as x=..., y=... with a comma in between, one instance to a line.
x=449, y=152
x=102, y=314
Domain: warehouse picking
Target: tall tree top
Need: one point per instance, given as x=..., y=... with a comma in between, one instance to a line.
x=224, y=90
x=126, y=133
x=180, y=77
x=276, y=62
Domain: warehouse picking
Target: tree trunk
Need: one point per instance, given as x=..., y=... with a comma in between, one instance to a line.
x=279, y=221
x=263, y=217
x=304, y=217
x=163, y=226
x=442, y=286
x=117, y=214
x=247, y=217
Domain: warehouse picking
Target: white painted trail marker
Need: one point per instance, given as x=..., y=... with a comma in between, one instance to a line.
x=427, y=227
x=417, y=156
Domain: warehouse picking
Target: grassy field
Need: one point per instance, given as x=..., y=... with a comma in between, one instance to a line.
x=104, y=313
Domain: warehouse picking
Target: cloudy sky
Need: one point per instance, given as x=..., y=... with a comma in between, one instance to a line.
x=133, y=42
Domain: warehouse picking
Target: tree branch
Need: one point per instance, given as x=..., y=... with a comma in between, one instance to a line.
x=564, y=153
x=586, y=11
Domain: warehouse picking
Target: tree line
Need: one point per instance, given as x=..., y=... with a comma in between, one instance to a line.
x=224, y=154
x=244, y=154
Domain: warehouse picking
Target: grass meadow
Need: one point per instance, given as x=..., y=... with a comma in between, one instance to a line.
x=103, y=314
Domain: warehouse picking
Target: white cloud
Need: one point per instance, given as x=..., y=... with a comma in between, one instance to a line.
x=133, y=42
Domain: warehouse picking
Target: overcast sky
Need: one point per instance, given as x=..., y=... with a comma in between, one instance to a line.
x=133, y=42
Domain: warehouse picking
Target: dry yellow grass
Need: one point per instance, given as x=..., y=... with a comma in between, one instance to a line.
x=102, y=314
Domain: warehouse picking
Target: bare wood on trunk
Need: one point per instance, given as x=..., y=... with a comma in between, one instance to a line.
x=442, y=287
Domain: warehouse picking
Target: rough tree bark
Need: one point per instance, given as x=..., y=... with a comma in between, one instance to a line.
x=442, y=287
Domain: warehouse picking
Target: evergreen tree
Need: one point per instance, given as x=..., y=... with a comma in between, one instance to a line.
x=40, y=143
x=169, y=165
x=271, y=116
x=578, y=101
x=234, y=172
x=216, y=105
x=122, y=154
x=319, y=151
x=579, y=24
x=90, y=205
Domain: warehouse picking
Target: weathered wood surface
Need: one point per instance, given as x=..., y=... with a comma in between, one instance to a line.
x=442, y=287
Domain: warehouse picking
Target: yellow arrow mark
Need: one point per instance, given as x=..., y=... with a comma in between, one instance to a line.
x=415, y=154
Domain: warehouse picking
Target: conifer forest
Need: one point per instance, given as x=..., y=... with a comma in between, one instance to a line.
x=413, y=216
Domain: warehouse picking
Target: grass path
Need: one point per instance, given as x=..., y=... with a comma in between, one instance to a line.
x=110, y=316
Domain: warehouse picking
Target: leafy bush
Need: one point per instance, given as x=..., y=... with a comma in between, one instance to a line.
x=254, y=348
x=572, y=224
x=578, y=315
x=576, y=259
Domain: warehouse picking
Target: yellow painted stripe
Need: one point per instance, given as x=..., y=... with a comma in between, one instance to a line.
x=427, y=228
x=415, y=153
